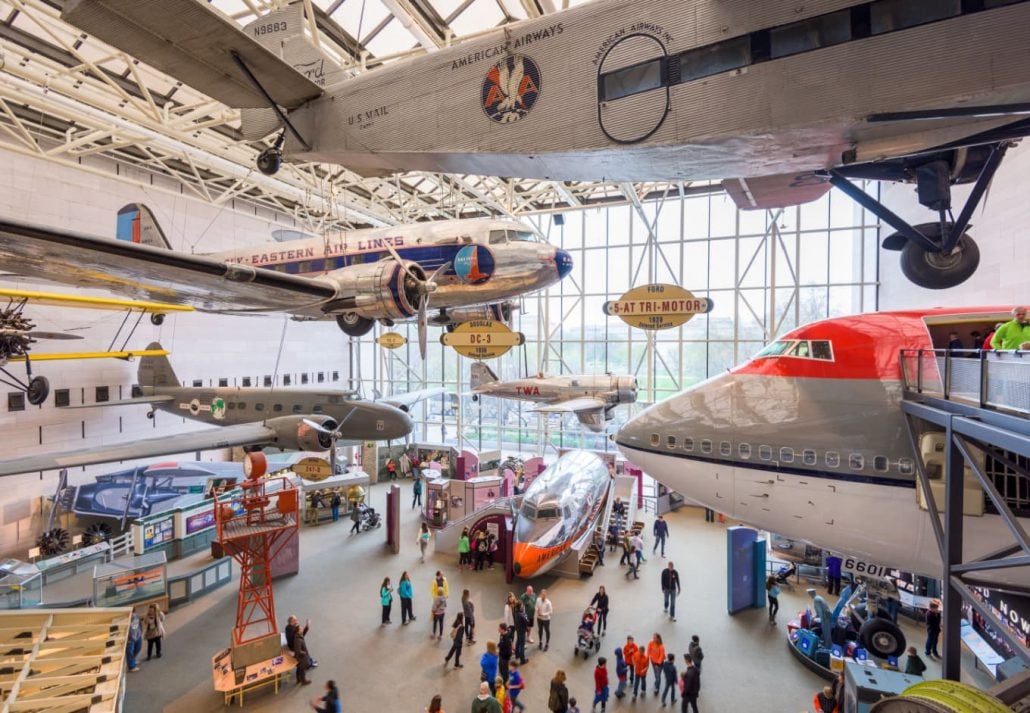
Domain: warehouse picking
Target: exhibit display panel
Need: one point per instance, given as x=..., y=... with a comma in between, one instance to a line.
x=121, y=584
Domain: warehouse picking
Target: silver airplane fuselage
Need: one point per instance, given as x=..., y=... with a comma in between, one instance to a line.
x=814, y=447
x=613, y=390
x=673, y=90
x=358, y=419
x=509, y=260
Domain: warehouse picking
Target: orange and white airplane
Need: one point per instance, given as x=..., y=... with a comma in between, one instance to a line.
x=18, y=333
x=808, y=440
x=559, y=511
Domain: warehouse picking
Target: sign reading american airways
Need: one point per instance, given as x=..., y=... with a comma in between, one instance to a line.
x=482, y=339
x=657, y=306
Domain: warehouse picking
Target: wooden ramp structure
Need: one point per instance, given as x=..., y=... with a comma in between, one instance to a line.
x=63, y=660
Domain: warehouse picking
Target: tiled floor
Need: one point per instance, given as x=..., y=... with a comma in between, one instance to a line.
x=398, y=668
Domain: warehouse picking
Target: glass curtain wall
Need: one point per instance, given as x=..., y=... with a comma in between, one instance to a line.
x=766, y=272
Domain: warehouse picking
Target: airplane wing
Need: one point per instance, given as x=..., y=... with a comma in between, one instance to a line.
x=572, y=405
x=405, y=401
x=188, y=40
x=223, y=437
x=135, y=401
x=143, y=271
x=778, y=191
x=73, y=356
x=54, y=299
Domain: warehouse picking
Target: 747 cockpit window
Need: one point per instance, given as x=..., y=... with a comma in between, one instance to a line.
x=820, y=349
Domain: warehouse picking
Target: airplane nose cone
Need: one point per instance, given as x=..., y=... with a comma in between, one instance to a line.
x=562, y=262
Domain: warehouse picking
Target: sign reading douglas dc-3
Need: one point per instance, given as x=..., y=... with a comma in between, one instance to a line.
x=657, y=306
x=482, y=339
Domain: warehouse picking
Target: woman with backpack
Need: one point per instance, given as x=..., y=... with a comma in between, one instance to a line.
x=423, y=541
x=457, y=637
x=558, y=698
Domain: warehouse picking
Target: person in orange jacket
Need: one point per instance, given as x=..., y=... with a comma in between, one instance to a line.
x=824, y=702
x=656, y=655
x=640, y=666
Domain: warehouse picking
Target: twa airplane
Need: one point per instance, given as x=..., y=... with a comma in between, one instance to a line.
x=783, y=99
x=559, y=510
x=808, y=440
x=592, y=398
x=474, y=267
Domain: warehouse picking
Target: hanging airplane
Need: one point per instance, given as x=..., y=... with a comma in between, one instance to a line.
x=18, y=333
x=781, y=101
x=474, y=267
x=290, y=419
x=592, y=398
x=808, y=440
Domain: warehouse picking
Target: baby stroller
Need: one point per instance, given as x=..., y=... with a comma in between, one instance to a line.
x=368, y=518
x=783, y=575
x=586, y=640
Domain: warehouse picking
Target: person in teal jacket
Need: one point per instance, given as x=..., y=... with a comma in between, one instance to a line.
x=1014, y=334
x=386, y=599
x=405, y=592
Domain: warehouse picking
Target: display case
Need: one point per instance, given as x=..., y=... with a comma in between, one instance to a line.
x=480, y=492
x=130, y=583
x=21, y=585
x=438, y=501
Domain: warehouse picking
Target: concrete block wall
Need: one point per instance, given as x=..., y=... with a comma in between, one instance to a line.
x=204, y=347
x=1000, y=226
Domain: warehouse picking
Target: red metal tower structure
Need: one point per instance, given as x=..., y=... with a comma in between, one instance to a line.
x=252, y=528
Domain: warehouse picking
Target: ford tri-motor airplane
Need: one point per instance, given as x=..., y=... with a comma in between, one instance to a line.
x=592, y=398
x=474, y=268
x=290, y=419
x=808, y=440
x=781, y=99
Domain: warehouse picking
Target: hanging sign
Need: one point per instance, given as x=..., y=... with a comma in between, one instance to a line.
x=391, y=340
x=482, y=339
x=313, y=469
x=657, y=306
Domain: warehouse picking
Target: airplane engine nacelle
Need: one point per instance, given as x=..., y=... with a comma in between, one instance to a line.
x=299, y=433
x=500, y=312
x=627, y=389
x=377, y=290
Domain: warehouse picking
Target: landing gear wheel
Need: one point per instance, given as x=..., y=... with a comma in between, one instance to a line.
x=354, y=325
x=157, y=319
x=938, y=271
x=270, y=161
x=882, y=637
x=39, y=389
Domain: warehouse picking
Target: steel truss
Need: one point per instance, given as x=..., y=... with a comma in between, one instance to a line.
x=969, y=429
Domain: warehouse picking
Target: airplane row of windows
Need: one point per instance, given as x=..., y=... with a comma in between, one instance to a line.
x=16, y=400
x=855, y=23
x=786, y=454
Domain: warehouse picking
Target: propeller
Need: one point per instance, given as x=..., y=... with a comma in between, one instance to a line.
x=425, y=288
x=333, y=434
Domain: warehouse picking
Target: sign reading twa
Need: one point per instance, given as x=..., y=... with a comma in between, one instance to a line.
x=657, y=306
x=482, y=339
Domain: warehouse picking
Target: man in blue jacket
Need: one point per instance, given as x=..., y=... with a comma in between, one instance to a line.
x=661, y=533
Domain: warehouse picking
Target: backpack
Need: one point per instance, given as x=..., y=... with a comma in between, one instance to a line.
x=552, y=700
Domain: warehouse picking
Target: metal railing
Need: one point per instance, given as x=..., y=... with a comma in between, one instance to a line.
x=997, y=380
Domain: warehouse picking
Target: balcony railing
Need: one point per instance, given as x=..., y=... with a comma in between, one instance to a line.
x=998, y=380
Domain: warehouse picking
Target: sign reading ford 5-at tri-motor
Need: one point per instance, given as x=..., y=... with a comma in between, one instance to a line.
x=657, y=306
x=482, y=339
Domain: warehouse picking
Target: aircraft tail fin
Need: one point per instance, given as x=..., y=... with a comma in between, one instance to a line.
x=137, y=224
x=481, y=374
x=282, y=33
x=156, y=371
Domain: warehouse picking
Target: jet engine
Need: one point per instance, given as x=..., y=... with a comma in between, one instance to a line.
x=626, y=389
x=500, y=311
x=377, y=290
x=303, y=433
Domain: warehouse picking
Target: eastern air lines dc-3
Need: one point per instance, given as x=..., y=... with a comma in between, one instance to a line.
x=470, y=268
x=290, y=419
x=808, y=440
x=778, y=99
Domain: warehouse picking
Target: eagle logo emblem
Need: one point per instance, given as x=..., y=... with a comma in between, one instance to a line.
x=511, y=88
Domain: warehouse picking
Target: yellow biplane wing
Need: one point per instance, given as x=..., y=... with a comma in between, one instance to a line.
x=95, y=355
x=55, y=299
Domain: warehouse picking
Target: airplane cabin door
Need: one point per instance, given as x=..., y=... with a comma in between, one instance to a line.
x=633, y=89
